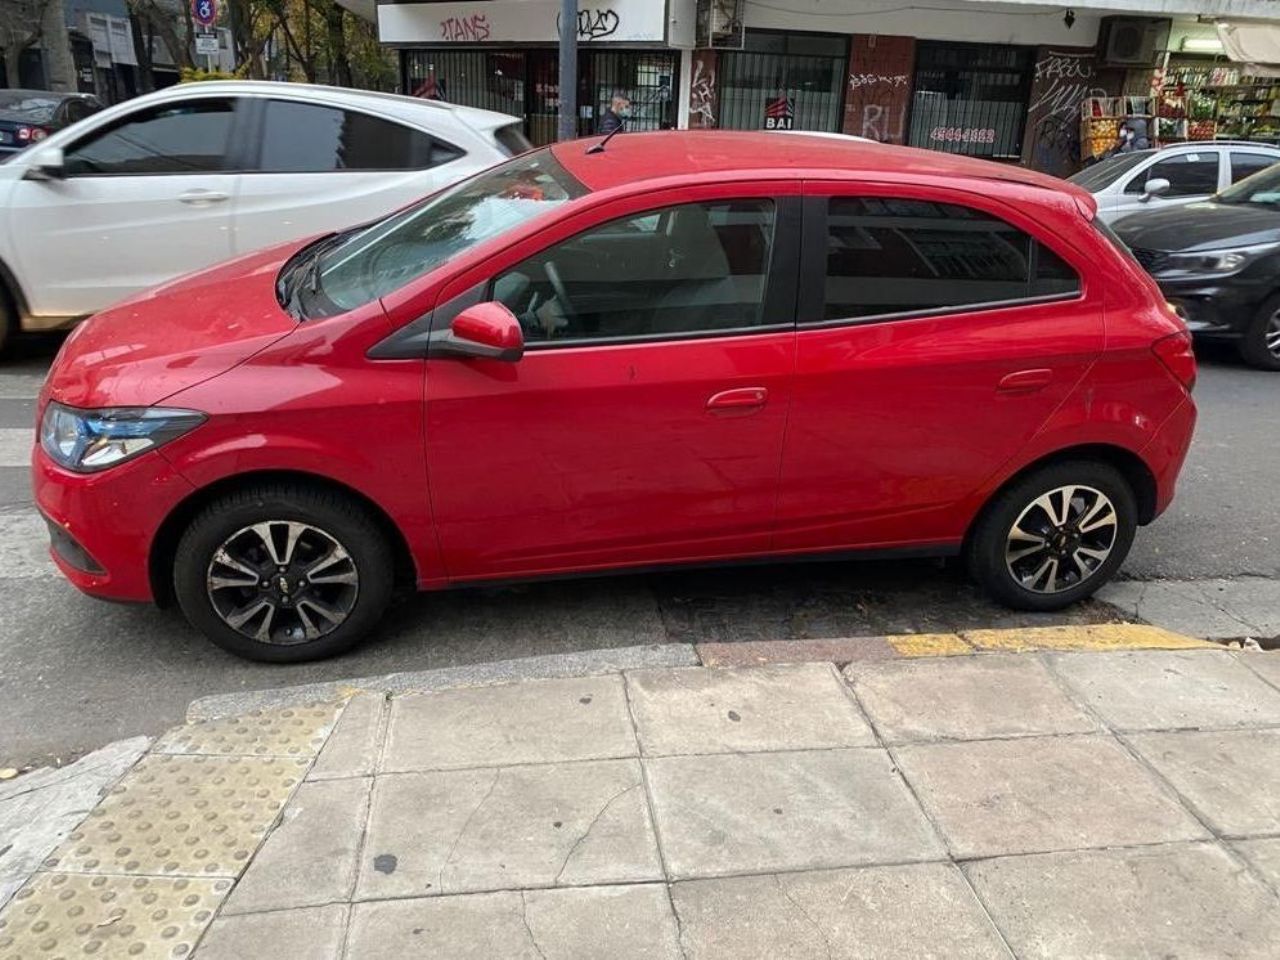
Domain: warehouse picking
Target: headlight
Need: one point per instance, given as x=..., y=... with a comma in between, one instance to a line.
x=90, y=440
x=1227, y=260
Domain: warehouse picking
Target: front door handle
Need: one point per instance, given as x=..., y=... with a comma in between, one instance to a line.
x=1026, y=381
x=741, y=400
x=201, y=198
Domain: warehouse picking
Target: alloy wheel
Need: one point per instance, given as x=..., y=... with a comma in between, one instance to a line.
x=282, y=582
x=1271, y=335
x=1061, y=539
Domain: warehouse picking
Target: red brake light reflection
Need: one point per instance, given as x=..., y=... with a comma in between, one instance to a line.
x=1175, y=352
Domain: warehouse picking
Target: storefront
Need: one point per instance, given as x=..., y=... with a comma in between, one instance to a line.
x=809, y=70
x=502, y=55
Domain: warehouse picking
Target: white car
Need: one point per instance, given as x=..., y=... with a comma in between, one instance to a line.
x=180, y=179
x=1171, y=176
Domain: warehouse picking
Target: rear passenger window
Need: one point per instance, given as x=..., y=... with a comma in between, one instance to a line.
x=889, y=256
x=308, y=138
x=1247, y=164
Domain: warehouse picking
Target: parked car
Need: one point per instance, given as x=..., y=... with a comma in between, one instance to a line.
x=28, y=116
x=588, y=361
x=1172, y=176
x=180, y=179
x=1218, y=262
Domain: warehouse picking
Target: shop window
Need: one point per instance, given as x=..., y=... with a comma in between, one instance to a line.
x=971, y=98
x=889, y=256
x=810, y=69
x=1247, y=164
x=307, y=138
x=1189, y=175
x=692, y=268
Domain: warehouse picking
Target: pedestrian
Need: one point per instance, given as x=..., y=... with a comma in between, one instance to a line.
x=615, y=118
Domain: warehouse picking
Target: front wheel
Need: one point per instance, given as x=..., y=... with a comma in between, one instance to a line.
x=1260, y=345
x=1055, y=536
x=284, y=573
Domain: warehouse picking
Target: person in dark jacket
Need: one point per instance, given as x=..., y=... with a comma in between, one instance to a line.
x=615, y=117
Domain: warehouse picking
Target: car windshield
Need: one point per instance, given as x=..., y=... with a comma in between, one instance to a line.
x=386, y=255
x=1106, y=172
x=1263, y=189
x=29, y=105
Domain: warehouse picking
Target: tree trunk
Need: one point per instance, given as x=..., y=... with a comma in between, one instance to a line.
x=142, y=47
x=339, y=64
x=59, y=65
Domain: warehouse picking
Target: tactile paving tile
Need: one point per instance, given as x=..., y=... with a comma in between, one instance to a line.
x=63, y=915
x=289, y=732
x=177, y=815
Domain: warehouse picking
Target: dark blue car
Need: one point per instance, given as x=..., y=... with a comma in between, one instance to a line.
x=28, y=116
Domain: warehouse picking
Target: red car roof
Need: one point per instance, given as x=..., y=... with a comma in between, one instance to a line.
x=634, y=157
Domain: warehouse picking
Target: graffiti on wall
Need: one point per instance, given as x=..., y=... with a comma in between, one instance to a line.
x=1060, y=83
x=883, y=115
x=474, y=28
x=702, y=96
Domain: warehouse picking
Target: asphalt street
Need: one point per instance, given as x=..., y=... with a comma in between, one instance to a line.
x=76, y=673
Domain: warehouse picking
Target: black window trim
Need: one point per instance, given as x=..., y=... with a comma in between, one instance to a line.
x=252, y=160
x=813, y=263
x=235, y=137
x=780, y=288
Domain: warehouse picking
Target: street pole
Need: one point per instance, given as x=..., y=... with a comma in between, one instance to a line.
x=568, y=126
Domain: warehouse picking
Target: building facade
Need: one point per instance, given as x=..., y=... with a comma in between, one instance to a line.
x=1008, y=81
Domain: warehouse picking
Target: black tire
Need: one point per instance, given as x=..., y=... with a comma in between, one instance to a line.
x=342, y=519
x=8, y=321
x=1253, y=345
x=986, y=548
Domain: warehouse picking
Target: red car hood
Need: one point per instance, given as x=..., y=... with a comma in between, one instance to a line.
x=170, y=338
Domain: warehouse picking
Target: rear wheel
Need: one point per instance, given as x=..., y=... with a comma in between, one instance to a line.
x=1260, y=345
x=284, y=573
x=8, y=321
x=1055, y=536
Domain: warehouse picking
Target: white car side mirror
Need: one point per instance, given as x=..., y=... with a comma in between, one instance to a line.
x=1154, y=188
x=47, y=163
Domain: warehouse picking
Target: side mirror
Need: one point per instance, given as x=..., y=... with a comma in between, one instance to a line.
x=487, y=330
x=47, y=163
x=1154, y=188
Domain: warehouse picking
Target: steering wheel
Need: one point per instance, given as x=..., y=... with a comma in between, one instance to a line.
x=557, y=284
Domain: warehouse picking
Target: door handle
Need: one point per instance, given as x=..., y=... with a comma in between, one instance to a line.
x=202, y=197
x=740, y=400
x=1025, y=381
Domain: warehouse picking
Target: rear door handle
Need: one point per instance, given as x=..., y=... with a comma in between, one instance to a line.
x=740, y=400
x=1026, y=381
x=200, y=198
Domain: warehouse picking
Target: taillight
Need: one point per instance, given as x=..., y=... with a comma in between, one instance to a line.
x=31, y=134
x=1176, y=354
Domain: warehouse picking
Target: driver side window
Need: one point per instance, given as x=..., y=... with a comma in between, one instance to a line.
x=185, y=137
x=691, y=268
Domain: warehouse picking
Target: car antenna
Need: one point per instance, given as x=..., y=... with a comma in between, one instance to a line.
x=599, y=147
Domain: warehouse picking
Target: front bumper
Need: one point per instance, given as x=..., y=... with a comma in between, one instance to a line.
x=107, y=521
x=1216, y=307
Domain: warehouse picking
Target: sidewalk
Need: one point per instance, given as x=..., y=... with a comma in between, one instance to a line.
x=1111, y=792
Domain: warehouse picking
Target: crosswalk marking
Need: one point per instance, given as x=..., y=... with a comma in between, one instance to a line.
x=15, y=446
x=24, y=546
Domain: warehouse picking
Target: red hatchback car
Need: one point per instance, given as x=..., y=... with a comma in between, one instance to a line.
x=687, y=348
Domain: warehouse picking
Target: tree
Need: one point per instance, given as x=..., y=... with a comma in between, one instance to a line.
x=23, y=24
x=158, y=19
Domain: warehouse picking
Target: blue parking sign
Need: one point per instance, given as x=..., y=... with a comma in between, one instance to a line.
x=204, y=12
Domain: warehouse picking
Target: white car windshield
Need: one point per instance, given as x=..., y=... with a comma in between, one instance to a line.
x=383, y=257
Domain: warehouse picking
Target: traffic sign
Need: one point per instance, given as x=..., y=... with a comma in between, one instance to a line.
x=204, y=12
x=207, y=44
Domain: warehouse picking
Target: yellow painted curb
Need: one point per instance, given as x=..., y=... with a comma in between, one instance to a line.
x=1103, y=636
x=929, y=645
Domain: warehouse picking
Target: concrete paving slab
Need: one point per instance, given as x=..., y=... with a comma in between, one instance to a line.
x=780, y=707
x=193, y=816
x=540, y=721
x=353, y=748
x=1165, y=690
x=1264, y=855
x=507, y=828
x=1231, y=778
x=919, y=911
x=1182, y=900
x=755, y=653
x=632, y=922
x=1266, y=665
x=310, y=858
x=1218, y=609
x=313, y=933
x=767, y=812
x=283, y=732
x=39, y=810
x=998, y=797
x=75, y=915
x=481, y=926
x=1001, y=695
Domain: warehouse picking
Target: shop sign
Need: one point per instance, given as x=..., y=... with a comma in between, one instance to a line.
x=520, y=21
x=780, y=113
